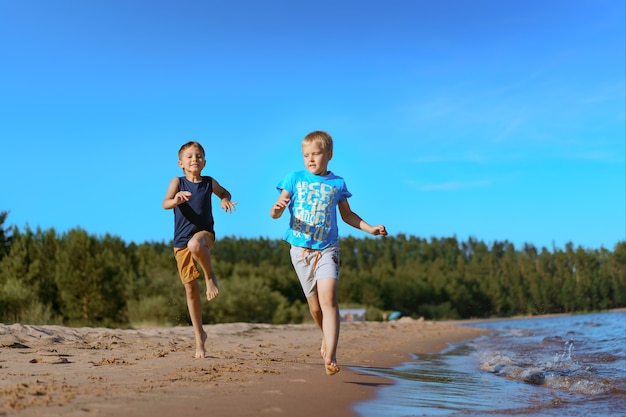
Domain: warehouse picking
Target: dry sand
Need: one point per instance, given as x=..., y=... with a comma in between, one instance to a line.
x=251, y=369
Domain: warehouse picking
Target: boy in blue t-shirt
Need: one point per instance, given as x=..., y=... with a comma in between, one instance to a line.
x=190, y=197
x=313, y=196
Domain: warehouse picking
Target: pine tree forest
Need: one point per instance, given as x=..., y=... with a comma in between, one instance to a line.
x=78, y=279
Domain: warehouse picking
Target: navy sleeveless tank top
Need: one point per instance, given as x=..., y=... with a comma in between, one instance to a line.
x=196, y=214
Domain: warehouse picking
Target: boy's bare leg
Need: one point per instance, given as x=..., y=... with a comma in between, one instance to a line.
x=316, y=313
x=194, y=305
x=327, y=299
x=200, y=247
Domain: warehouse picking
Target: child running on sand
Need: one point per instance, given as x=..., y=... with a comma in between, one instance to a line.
x=312, y=196
x=190, y=197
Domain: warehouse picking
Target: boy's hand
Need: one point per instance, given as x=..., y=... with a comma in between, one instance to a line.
x=279, y=206
x=379, y=230
x=182, y=196
x=282, y=202
x=227, y=205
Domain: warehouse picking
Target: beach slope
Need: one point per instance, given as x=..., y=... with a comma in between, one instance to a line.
x=251, y=369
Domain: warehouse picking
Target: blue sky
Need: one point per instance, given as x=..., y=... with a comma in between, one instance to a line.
x=493, y=119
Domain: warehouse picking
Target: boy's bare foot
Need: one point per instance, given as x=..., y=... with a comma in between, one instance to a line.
x=212, y=289
x=332, y=368
x=200, y=351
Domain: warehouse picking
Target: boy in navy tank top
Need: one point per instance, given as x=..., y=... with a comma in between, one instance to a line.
x=312, y=197
x=190, y=197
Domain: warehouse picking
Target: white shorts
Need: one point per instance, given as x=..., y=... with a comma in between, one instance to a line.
x=311, y=264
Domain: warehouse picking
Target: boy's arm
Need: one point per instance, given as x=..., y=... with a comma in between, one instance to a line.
x=224, y=195
x=280, y=205
x=173, y=197
x=354, y=220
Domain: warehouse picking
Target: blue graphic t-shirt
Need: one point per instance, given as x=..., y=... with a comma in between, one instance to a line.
x=313, y=208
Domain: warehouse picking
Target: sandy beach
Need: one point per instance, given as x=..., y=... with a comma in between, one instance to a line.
x=251, y=369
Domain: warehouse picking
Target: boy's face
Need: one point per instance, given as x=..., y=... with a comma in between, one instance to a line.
x=316, y=158
x=192, y=160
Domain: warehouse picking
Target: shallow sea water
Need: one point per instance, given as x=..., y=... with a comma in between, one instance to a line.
x=551, y=366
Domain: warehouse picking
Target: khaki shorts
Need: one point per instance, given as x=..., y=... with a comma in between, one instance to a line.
x=187, y=268
x=312, y=264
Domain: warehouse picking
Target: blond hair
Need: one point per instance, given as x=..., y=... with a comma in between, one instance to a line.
x=189, y=145
x=321, y=138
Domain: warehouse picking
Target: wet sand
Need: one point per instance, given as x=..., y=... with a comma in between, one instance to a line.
x=251, y=369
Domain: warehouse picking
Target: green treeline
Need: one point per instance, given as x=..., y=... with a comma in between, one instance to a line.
x=78, y=279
